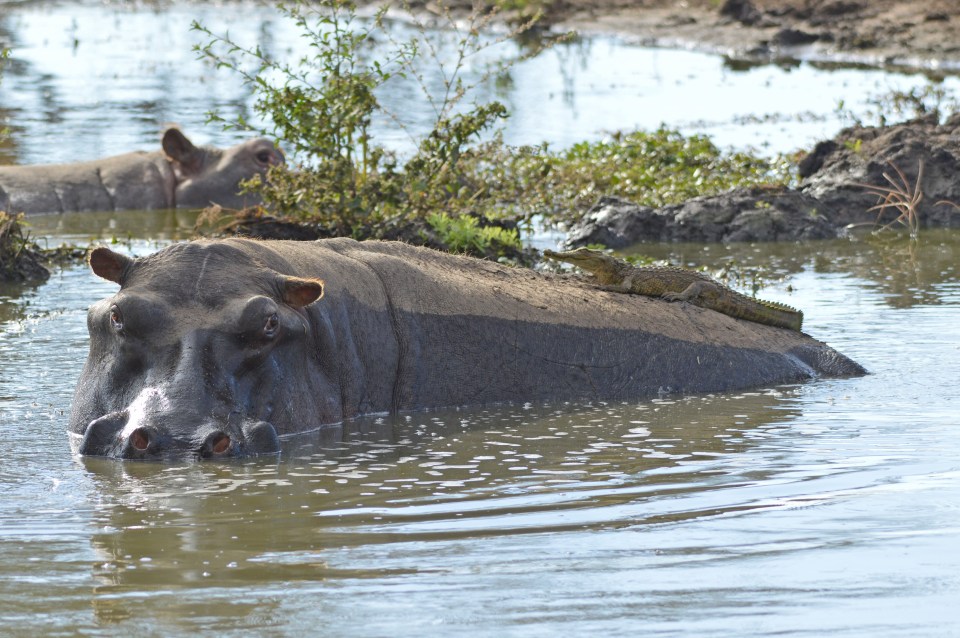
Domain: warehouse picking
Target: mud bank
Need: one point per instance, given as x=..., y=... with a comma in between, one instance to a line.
x=831, y=195
x=883, y=33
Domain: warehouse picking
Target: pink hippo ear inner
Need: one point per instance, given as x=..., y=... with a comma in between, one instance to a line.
x=297, y=292
x=181, y=151
x=109, y=265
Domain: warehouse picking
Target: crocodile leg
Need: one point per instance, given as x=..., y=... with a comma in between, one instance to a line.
x=695, y=293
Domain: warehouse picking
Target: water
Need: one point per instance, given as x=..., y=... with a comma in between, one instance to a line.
x=828, y=508
x=89, y=79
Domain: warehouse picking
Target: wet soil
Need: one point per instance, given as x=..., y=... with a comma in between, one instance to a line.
x=256, y=223
x=919, y=33
x=913, y=33
x=21, y=260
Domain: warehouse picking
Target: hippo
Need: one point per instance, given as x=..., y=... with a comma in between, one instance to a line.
x=180, y=176
x=221, y=348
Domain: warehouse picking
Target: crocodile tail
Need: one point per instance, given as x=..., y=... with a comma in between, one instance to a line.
x=786, y=316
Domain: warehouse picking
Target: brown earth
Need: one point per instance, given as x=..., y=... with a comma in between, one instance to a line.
x=913, y=33
x=892, y=32
x=20, y=259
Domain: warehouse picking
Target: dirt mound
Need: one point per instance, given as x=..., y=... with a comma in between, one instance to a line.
x=835, y=170
x=912, y=33
x=743, y=214
x=832, y=193
x=20, y=259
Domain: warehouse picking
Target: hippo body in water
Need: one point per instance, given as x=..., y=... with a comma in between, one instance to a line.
x=180, y=176
x=218, y=348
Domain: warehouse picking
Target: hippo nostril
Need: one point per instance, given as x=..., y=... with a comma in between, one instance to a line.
x=217, y=444
x=261, y=438
x=101, y=436
x=220, y=443
x=140, y=439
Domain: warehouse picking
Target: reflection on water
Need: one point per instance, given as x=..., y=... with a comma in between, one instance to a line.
x=432, y=477
x=89, y=80
x=905, y=273
x=113, y=227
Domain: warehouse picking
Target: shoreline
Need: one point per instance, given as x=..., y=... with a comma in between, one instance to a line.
x=889, y=34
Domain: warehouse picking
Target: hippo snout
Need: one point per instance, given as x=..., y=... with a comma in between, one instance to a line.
x=261, y=438
x=111, y=435
x=248, y=440
x=101, y=436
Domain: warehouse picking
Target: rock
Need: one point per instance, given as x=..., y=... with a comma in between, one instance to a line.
x=617, y=223
x=832, y=193
x=743, y=214
x=793, y=37
x=742, y=11
x=20, y=258
x=834, y=173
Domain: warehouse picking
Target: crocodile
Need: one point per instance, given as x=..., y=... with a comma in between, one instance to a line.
x=679, y=284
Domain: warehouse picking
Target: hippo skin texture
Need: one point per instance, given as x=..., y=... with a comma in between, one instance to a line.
x=180, y=176
x=219, y=348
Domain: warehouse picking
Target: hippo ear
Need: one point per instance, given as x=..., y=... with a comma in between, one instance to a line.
x=299, y=292
x=109, y=265
x=181, y=150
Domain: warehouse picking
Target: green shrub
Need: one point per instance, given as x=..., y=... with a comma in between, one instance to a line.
x=650, y=168
x=464, y=234
x=322, y=107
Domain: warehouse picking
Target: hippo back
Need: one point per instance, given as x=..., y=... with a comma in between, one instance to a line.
x=132, y=181
x=180, y=176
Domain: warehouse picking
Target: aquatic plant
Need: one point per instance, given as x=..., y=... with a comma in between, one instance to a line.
x=898, y=105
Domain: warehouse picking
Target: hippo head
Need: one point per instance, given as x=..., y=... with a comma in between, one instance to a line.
x=205, y=351
x=206, y=175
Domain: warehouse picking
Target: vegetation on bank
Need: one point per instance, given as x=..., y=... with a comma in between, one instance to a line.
x=650, y=168
x=20, y=259
x=463, y=188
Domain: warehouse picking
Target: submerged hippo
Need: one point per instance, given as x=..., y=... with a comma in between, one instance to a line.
x=180, y=176
x=217, y=348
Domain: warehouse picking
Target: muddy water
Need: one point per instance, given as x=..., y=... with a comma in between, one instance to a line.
x=831, y=507
x=828, y=507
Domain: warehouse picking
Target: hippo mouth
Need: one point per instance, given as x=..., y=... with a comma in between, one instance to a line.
x=112, y=435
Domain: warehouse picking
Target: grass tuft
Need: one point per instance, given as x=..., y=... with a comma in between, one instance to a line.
x=900, y=196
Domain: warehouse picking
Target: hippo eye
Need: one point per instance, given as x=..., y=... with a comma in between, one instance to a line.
x=264, y=157
x=271, y=326
x=116, y=319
